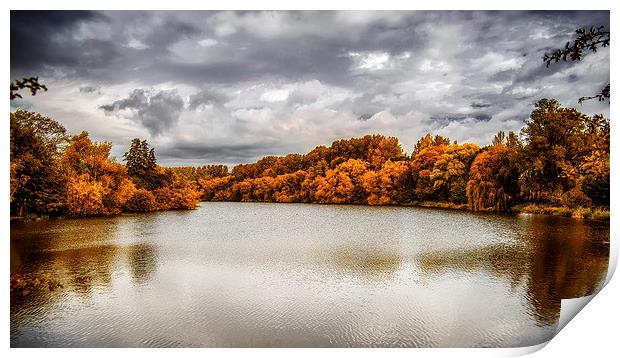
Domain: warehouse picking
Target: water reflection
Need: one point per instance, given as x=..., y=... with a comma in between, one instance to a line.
x=367, y=262
x=242, y=274
x=503, y=261
x=143, y=262
x=85, y=268
x=557, y=258
x=569, y=260
x=83, y=254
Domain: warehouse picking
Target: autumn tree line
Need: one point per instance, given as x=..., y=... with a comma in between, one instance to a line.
x=52, y=173
x=560, y=159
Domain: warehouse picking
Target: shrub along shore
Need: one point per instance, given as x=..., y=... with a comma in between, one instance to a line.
x=558, y=164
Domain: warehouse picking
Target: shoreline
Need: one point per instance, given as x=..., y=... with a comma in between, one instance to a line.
x=579, y=213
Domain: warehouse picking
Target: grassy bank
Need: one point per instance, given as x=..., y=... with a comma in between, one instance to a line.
x=437, y=204
x=599, y=214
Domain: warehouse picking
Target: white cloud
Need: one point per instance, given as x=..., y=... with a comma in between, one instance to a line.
x=136, y=44
x=278, y=95
x=430, y=65
x=207, y=42
x=372, y=61
x=524, y=91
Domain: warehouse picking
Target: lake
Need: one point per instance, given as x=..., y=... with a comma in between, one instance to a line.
x=303, y=275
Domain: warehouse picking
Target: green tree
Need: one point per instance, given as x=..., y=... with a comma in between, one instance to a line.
x=142, y=165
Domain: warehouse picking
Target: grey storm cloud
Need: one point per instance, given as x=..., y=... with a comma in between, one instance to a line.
x=33, y=41
x=503, y=76
x=207, y=97
x=89, y=89
x=225, y=153
x=209, y=85
x=480, y=105
x=483, y=117
x=156, y=112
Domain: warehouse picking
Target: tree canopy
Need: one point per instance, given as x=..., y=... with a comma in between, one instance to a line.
x=55, y=174
x=561, y=158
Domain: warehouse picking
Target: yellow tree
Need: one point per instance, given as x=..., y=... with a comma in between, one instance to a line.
x=450, y=171
x=84, y=196
x=37, y=183
x=88, y=167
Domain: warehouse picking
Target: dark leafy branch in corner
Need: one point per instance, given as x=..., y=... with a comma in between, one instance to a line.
x=601, y=96
x=586, y=40
x=31, y=83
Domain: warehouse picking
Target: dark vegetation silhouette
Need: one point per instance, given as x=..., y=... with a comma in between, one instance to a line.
x=31, y=84
x=587, y=40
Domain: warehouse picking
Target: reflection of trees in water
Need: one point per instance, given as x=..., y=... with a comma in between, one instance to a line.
x=143, y=261
x=501, y=260
x=570, y=259
x=369, y=262
x=81, y=269
x=86, y=267
x=80, y=254
x=558, y=258
x=78, y=269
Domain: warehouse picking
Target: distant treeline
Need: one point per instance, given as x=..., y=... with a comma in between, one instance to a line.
x=560, y=158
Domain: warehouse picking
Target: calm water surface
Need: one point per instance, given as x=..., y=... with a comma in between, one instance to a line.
x=257, y=274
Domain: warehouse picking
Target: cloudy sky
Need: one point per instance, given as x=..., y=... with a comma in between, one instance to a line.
x=231, y=87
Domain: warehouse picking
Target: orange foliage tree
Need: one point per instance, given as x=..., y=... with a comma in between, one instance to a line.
x=97, y=185
x=342, y=184
x=88, y=167
x=181, y=194
x=564, y=159
x=288, y=187
x=211, y=187
x=37, y=184
x=84, y=196
x=389, y=185
x=450, y=172
x=493, y=180
x=422, y=165
x=142, y=200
